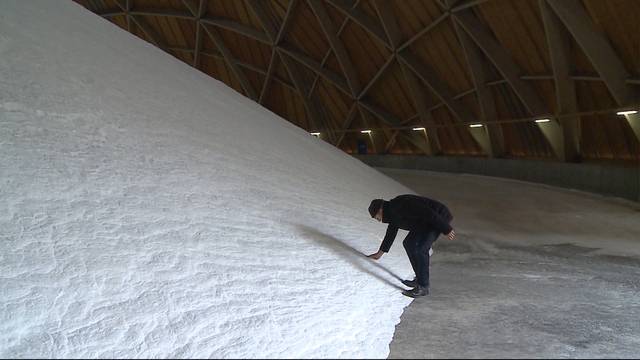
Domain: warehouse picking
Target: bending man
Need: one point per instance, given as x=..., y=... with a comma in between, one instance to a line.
x=425, y=219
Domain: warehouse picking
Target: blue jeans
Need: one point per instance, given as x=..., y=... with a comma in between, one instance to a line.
x=417, y=245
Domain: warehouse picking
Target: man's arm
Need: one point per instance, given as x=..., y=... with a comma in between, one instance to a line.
x=389, y=237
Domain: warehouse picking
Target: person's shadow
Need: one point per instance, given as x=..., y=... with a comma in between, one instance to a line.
x=353, y=256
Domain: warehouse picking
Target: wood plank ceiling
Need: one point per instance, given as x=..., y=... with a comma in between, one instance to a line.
x=341, y=66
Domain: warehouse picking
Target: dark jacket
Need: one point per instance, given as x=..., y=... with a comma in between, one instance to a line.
x=413, y=213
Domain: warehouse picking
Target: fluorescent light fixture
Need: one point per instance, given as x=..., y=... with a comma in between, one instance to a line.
x=418, y=128
x=365, y=131
x=475, y=125
x=542, y=120
x=627, y=112
x=315, y=133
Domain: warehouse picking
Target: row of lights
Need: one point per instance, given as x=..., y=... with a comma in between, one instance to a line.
x=620, y=113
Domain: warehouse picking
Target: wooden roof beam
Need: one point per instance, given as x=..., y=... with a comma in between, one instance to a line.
x=389, y=22
x=502, y=61
x=376, y=77
x=505, y=64
x=198, y=14
x=268, y=24
x=231, y=62
x=393, y=121
x=312, y=64
x=368, y=24
x=237, y=28
x=465, y=5
x=558, y=40
x=418, y=96
x=490, y=137
x=424, y=31
x=312, y=110
x=242, y=64
x=339, y=50
x=347, y=123
x=220, y=22
x=384, y=10
x=602, y=55
x=142, y=24
x=596, y=46
x=328, y=53
x=279, y=34
x=438, y=87
x=163, y=13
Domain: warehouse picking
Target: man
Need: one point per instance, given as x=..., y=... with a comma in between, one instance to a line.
x=425, y=219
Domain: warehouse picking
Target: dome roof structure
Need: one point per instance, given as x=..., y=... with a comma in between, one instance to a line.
x=499, y=78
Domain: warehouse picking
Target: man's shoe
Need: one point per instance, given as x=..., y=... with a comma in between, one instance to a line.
x=410, y=283
x=418, y=291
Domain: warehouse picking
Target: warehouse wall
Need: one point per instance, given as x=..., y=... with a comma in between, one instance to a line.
x=614, y=180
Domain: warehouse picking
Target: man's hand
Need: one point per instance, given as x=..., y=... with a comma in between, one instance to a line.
x=376, y=256
x=451, y=235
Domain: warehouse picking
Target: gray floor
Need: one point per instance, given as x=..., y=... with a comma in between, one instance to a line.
x=535, y=272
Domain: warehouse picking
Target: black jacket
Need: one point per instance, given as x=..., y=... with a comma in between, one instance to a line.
x=413, y=213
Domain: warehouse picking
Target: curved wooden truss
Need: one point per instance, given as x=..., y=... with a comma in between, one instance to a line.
x=437, y=101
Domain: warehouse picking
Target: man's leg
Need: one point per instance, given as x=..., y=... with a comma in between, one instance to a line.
x=410, y=244
x=423, y=244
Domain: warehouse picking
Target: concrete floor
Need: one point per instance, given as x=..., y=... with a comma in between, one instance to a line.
x=535, y=272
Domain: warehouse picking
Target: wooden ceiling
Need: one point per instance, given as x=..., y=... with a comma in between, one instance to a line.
x=341, y=66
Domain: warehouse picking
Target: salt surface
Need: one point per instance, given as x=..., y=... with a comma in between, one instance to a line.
x=151, y=211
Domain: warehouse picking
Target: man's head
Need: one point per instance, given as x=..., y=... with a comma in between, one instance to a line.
x=375, y=209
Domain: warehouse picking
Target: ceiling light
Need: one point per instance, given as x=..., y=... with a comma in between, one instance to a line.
x=366, y=131
x=627, y=112
x=315, y=133
x=475, y=125
x=419, y=129
x=542, y=120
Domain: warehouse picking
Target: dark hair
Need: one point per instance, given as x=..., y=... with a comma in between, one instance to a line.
x=375, y=205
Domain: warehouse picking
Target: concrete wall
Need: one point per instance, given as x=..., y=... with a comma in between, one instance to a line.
x=603, y=179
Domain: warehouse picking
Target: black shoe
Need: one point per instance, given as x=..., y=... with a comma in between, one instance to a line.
x=410, y=283
x=418, y=291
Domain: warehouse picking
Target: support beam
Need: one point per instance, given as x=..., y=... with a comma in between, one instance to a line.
x=202, y=6
x=347, y=123
x=231, y=62
x=365, y=114
x=312, y=64
x=437, y=86
x=502, y=61
x=597, y=48
x=298, y=81
x=127, y=10
x=422, y=32
x=361, y=18
x=163, y=13
x=339, y=50
x=601, y=54
x=328, y=53
x=270, y=71
x=384, y=9
x=490, y=137
x=428, y=140
x=499, y=56
x=418, y=95
x=142, y=24
x=237, y=28
x=559, y=44
x=377, y=76
x=259, y=8
x=463, y=5
x=278, y=37
x=392, y=121
x=148, y=31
